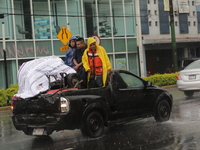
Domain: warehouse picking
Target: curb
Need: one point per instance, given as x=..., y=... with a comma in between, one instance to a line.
x=5, y=108
x=169, y=86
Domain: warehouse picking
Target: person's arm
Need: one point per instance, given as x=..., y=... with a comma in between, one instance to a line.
x=66, y=59
x=75, y=60
x=85, y=61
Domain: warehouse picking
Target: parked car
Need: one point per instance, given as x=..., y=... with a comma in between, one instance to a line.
x=184, y=62
x=125, y=98
x=188, y=80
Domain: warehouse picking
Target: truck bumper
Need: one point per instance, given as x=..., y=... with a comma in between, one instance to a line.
x=40, y=124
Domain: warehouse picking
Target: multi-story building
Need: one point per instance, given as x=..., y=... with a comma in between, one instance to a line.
x=156, y=32
x=31, y=28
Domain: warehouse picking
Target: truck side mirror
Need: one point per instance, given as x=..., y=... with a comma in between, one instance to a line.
x=149, y=83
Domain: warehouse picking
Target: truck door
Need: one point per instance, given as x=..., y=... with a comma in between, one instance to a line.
x=127, y=92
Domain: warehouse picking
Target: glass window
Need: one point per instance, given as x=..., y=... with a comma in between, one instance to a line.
x=193, y=65
x=107, y=44
x=90, y=21
x=8, y=21
x=75, y=23
x=149, y=23
x=118, y=18
x=111, y=60
x=192, y=3
x=156, y=23
x=183, y=23
x=143, y=17
x=194, y=23
x=133, y=63
x=104, y=26
x=132, y=45
x=120, y=61
x=22, y=22
x=130, y=19
x=25, y=49
x=132, y=81
x=58, y=19
x=11, y=50
x=57, y=45
x=43, y=48
x=119, y=45
x=12, y=73
x=44, y=25
x=163, y=19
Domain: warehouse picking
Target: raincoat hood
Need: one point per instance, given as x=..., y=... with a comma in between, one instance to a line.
x=72, y=38
x=90, y=41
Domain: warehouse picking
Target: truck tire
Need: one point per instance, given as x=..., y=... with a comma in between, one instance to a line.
x=163, y=111
x=72, y=79
x=189, y=93
x=93, y=125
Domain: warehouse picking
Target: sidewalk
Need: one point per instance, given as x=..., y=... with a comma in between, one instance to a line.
x=174, y=91
x=5, y=108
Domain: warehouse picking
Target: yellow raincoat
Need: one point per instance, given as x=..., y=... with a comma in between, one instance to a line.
x=106, y=65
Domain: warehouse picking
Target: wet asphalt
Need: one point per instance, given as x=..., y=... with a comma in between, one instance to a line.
x=181, y=132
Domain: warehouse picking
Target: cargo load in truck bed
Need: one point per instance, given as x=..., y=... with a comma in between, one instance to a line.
x=34, y=76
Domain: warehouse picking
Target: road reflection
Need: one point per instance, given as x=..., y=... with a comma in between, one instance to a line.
x=45, y=142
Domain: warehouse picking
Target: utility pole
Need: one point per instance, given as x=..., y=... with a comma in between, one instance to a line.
x=173, y=37
x=4, y=51
x=141, y=52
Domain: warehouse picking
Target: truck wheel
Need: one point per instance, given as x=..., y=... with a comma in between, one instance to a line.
x=163, y=111
x=93, y=125
x=189, y=93
x=72, y=79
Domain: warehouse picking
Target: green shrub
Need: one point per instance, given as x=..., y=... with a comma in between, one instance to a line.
x=7, y=94
x=162, y=79
x=3, y=97
x=13, y=88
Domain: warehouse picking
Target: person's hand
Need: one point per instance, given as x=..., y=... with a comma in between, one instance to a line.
x=88, y=70
x=76, y=67
x=110, y=70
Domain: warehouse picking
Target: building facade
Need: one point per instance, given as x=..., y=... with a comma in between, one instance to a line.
x=156, y=32
x=31, y=28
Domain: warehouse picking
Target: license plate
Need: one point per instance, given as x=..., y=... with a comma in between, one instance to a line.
x=38, y=131
x=192, y=77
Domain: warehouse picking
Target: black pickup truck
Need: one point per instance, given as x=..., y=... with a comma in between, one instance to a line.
x=125, y=98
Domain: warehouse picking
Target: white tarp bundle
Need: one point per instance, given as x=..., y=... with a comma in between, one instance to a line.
x=32, y=75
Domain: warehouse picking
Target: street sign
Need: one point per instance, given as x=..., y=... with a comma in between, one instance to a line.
x=64, y=48
x=64, y=35
x=97, y=38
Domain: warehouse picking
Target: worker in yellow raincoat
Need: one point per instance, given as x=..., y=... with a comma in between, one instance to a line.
x=96, y=63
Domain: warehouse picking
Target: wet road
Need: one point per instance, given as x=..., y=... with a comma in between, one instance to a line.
x=181, y=132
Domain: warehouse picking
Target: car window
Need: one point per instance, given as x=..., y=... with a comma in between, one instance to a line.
x=132, y=81
x=193, y=65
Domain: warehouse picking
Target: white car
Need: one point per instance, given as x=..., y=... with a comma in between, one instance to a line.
x=188, y=80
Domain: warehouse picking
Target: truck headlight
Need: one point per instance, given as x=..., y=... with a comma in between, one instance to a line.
x=64, y=104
